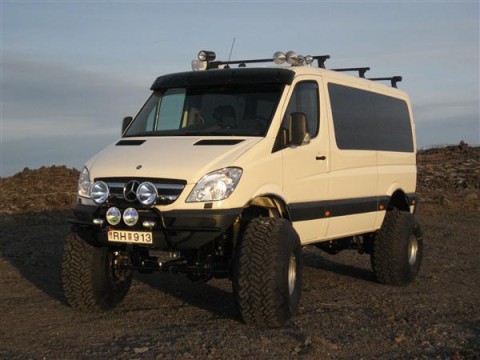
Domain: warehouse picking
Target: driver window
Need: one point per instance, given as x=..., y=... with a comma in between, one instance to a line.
x=304, y=100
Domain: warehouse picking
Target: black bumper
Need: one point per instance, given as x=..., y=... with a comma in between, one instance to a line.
x=178, y=229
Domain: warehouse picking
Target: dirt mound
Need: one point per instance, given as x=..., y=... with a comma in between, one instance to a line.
x=450, y=177
x=46, y=188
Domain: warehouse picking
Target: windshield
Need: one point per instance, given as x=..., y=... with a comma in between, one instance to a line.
x=213, y=110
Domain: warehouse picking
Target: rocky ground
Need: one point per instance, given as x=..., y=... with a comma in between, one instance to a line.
x=344, y=313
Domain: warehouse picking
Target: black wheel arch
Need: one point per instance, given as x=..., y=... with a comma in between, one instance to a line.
x=266, y=205
x=399, y=200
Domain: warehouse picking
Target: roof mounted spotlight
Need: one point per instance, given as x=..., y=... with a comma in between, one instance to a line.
x=292, y=58
x=279, y=58
x=308, y=60
x=204, y=58
x=205, y=55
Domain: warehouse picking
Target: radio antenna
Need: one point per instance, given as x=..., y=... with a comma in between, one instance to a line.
x=231, y=50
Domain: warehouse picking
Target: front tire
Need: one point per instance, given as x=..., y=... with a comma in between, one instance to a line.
x=397, y=249
x=89, y=279
x=267, y=272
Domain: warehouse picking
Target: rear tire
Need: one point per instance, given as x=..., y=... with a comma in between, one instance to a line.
x=88, y=277
x=397, y=249
x=267, y=272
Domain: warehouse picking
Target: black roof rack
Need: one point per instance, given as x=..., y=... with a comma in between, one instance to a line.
x=361, y=70
x=393, y=80
x=242, y=63
x=212, y=64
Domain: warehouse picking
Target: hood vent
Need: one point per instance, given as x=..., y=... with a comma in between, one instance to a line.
x=219, y=142
x=130, y=142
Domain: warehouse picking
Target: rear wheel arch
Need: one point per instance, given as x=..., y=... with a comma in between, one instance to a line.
x=399, y=200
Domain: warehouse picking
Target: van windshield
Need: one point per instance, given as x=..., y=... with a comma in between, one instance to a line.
x=238, y=110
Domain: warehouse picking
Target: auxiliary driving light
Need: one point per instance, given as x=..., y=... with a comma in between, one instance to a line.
x=279, y=58
x=205, y=55
x=99, y=192
x=113, y=216
x=130, y=216
x=147, y=193
x=292, y=58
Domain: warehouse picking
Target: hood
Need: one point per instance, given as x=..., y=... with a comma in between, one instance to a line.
x=183, y=158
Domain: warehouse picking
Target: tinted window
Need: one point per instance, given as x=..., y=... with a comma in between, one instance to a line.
x=365, y=120
x=305, y=100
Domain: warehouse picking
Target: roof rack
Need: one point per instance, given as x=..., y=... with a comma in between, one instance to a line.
x=361, y=70
x=206, y=61
x=393, y=80
x=242, y=63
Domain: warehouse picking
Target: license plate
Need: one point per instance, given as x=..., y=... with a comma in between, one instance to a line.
x=130, y=237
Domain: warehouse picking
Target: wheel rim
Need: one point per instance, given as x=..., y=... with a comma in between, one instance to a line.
x=292, y=273
x=412, y=250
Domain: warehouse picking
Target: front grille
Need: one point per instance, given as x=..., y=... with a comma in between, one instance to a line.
x=168, y=190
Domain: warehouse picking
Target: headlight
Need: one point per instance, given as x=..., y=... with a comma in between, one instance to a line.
x=84, y=183
x=99, y=192
x=147, y=193
x=217, y=185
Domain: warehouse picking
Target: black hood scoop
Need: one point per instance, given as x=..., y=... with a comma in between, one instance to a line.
x=219, y=142
x=130, y=142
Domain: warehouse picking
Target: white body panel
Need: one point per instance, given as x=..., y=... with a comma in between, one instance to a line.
x=314, y=174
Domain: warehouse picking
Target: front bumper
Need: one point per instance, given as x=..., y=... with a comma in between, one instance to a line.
x=173, y=230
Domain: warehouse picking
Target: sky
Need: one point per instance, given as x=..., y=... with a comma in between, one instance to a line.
x=72, y=70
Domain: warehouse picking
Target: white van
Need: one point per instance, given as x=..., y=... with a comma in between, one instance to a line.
x=228, y=173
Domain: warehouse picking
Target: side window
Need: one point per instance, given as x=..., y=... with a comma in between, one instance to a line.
x=305, y=100
x=365, y=120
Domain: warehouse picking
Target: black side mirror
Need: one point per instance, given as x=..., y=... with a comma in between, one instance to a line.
x=298, y=129
x=126, y=122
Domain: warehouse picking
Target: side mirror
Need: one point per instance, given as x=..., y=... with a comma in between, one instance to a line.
x=298, y=129
x=125, y=123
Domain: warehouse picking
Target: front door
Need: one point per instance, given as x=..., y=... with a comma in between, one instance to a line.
x=306, y=166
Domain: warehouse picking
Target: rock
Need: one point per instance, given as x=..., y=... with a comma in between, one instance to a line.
x=140, y=350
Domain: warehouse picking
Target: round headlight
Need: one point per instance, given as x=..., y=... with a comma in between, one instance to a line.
x=113, y=216
x=99, y=192
x=130, y=216
x=147, y=193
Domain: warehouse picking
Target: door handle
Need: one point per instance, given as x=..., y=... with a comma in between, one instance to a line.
x=323, y=157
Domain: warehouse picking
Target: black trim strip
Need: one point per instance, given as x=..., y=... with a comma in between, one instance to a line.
x=332, y=208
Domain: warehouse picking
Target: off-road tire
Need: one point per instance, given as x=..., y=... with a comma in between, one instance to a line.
x=267, y=273
x=89, y=281
x=397, y=249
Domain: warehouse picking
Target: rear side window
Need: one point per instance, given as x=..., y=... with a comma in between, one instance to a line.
x=365, y=120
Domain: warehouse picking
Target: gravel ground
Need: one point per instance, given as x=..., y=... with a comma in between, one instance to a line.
x=344, y=313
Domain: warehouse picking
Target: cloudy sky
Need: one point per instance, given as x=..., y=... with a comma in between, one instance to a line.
x=71, y=70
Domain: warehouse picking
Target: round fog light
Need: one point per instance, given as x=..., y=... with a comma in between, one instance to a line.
x=130, y=216
x=99, y=192
x=113, y=216
x=147, y=193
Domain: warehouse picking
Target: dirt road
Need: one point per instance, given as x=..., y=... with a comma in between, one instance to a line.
x=344, y=313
